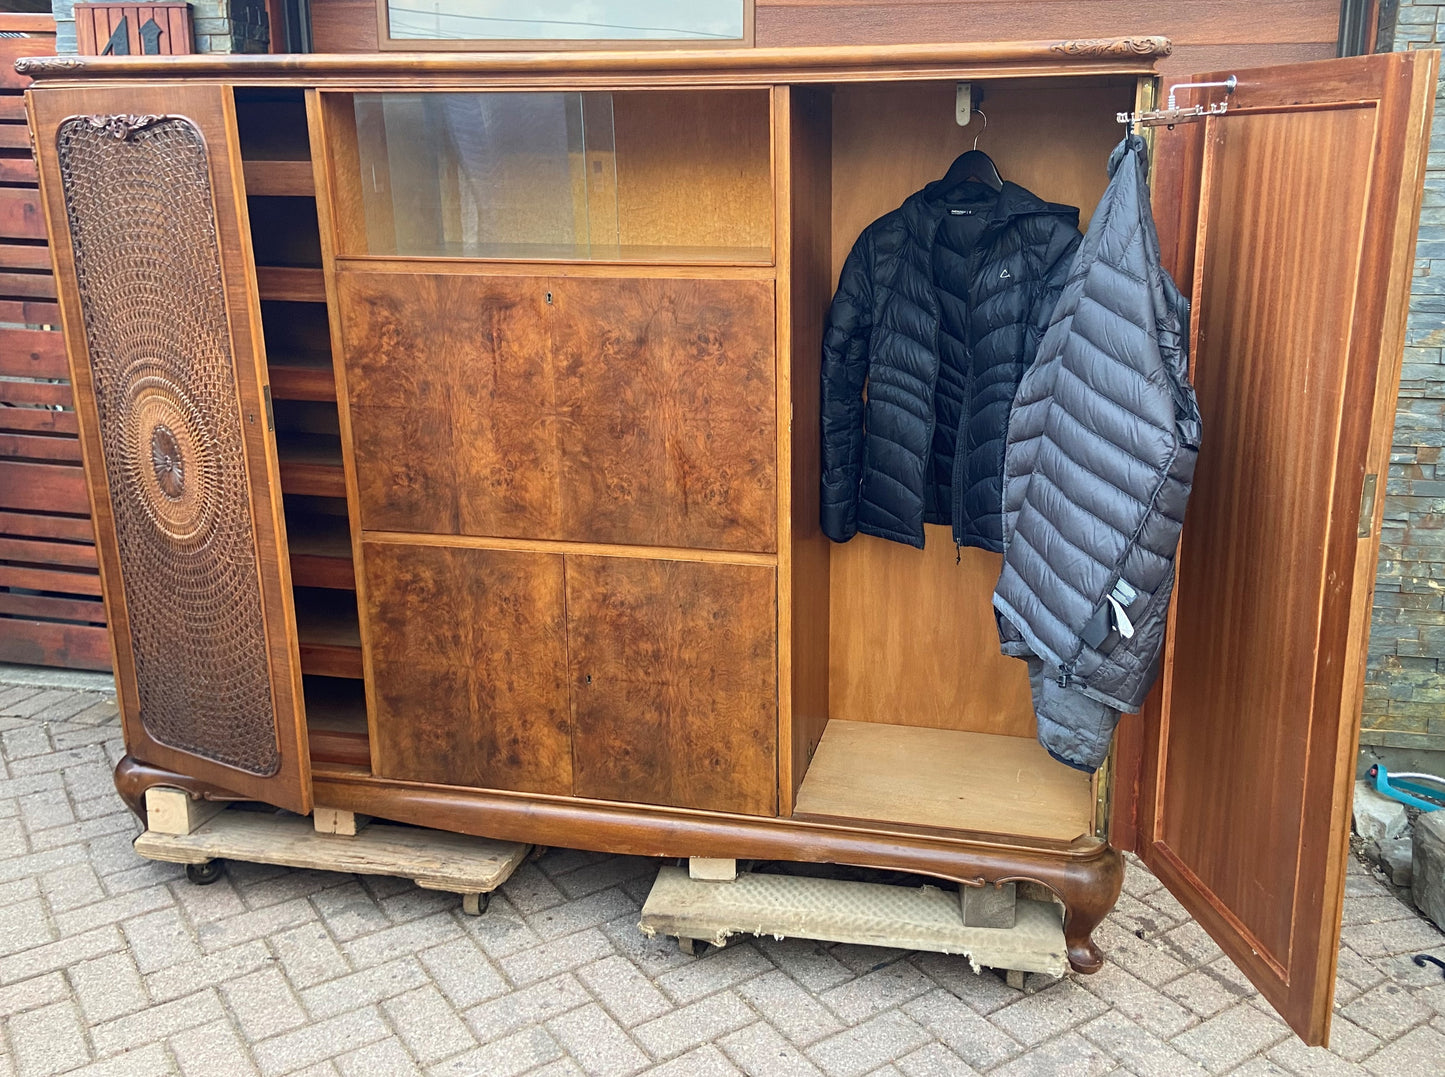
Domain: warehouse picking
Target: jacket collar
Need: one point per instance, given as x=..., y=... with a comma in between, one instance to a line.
x=999, y=206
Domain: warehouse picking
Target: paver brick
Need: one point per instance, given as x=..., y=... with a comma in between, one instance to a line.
x=596, y=1042
x=363, y=988
x=308, y=955
x=933, y=1060
x=521, y=1051
x=530, y=1006
x=47, y=1040
x=108, y=987
x=713, y=972
x=882, y=989
x=385, y=1058
x=28, y=994
x=795, y=1013
x=559, y=955
x=319, y=1042
x=704, y=1061
x=1035, y=1018
x=762, y=1052
x=427, y=1024
x=625, y=992
x=969, y=1035
x=211, y=1050
x=401, y=940
x=1229, y=1038
x=863, y=1048
x=206, y=970
x=699, y=1023
x=1068, y=1056
x=156, y=1023
x=463, y=972
x=263, y=1004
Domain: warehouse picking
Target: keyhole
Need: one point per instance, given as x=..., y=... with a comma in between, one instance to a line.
x=589, y=678
x=549, y=297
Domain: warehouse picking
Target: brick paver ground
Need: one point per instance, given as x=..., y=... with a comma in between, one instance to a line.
x=110, y=964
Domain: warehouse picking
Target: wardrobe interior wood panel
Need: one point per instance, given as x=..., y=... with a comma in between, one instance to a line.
x=469, y=666
x=945, y=778
x=674, y=682
x=810, y=205
x=934, y=661
x=693, y=169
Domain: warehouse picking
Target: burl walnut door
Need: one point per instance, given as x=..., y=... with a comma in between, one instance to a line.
x=469, y=666
x=606, y=410
x=158, y=300
x=1299, y=210
x=674, y=682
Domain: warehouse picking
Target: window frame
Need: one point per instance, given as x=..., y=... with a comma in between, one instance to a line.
x=387, y=43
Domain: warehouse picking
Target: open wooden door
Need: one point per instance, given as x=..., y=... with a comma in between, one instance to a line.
x=1298, y=211
x=147, y=214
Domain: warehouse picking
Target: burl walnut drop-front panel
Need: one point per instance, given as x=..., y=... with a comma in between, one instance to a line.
x=606, y=410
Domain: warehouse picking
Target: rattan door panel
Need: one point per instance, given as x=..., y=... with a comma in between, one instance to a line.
x=160, y=312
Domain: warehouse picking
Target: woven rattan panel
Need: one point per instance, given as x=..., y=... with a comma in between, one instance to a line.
x=142, y=225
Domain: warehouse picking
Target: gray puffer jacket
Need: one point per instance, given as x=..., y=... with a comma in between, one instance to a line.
x=1098, y=464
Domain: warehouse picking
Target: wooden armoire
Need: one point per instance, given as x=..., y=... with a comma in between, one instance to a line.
x=451, y=425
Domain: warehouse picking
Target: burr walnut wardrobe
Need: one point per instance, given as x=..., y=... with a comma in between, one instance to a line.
x=451, y=425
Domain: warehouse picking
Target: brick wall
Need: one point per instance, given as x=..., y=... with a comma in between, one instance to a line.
x=220, y=25
x=1405, y=681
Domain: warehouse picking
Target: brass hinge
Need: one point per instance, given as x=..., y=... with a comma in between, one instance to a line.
x=1367, y=506
x=270, y=413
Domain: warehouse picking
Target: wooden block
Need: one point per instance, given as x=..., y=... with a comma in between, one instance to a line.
x=174, y=811
x=710, y=869
x=336, y=821
x=988, y=906
x=1015, y=978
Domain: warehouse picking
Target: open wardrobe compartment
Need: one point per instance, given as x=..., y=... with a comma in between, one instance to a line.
x=452, y=425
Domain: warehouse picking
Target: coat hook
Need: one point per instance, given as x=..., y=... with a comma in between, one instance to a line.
x=982, y=129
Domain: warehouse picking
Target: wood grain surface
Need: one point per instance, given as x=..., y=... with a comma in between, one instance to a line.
x=469, y=659
x=615, y=411
x=945, y=779
x=1302, y=261
x=674, y=682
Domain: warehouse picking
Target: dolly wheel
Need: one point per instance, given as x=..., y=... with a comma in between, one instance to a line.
x=205, y=874
x=475, y=904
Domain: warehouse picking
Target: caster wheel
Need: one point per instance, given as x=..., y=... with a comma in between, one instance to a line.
x=204, y=874
x=475, y=904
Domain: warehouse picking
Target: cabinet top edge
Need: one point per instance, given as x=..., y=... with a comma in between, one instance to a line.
x=1125, y=55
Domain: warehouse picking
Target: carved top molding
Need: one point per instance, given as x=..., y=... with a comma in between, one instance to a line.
x=801, y=64
x=121, y=127
x=48, y=65
x=1116, y=46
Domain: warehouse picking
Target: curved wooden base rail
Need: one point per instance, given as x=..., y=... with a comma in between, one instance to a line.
x=1086, y=878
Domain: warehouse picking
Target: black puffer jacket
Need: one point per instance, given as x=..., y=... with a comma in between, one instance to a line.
x=939, y=311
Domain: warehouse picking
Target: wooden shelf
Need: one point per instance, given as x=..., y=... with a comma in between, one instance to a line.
x=947, y=779
x=336, y=721
x=311, y=464
x=326, y=625
x=302, y=377
x=293, y=179
x=296, y=284
x=320, y=548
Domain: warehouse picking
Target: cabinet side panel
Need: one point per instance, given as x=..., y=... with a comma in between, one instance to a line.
x=140, y=210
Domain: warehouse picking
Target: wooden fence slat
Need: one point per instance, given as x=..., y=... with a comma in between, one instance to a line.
x=14, y=391
x=39, y=447
x=31, y=551
x=37, y=421
x=44, y=643
x=50, y=608
x=23, y=255
x=35, y=525
x=29, y=312
x=17, y=170
x=14, y=136
x=43, y=487
x=11, y=49
x=32, y=353
x=26, y=285
x=12, y=107
x=45, y=579
x=20, y=214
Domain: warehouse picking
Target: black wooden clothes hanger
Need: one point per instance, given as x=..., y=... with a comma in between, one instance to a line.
x=973, y=164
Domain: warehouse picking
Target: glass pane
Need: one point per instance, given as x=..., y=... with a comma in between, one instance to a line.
x=650, y=176
x=542, y=20
x=503, y=175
